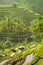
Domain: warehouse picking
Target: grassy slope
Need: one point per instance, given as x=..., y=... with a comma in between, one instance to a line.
x=40, y=62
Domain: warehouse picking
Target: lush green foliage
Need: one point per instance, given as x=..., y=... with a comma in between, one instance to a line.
x=18, y=25
x=36, y=28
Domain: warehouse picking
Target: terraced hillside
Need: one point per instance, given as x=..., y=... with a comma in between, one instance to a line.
x=21, y=32
x=14, y=18
x=35, y=5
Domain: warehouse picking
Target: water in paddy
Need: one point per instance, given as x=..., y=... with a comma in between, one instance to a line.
x=3, y=62
x=28, y=59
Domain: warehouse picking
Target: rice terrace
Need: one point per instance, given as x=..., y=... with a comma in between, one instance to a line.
x=21, y=32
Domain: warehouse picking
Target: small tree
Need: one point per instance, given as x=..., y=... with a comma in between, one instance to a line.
x=15, y=4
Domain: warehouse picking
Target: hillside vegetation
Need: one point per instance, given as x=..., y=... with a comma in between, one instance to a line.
x=35, y=5
x=21, y=32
